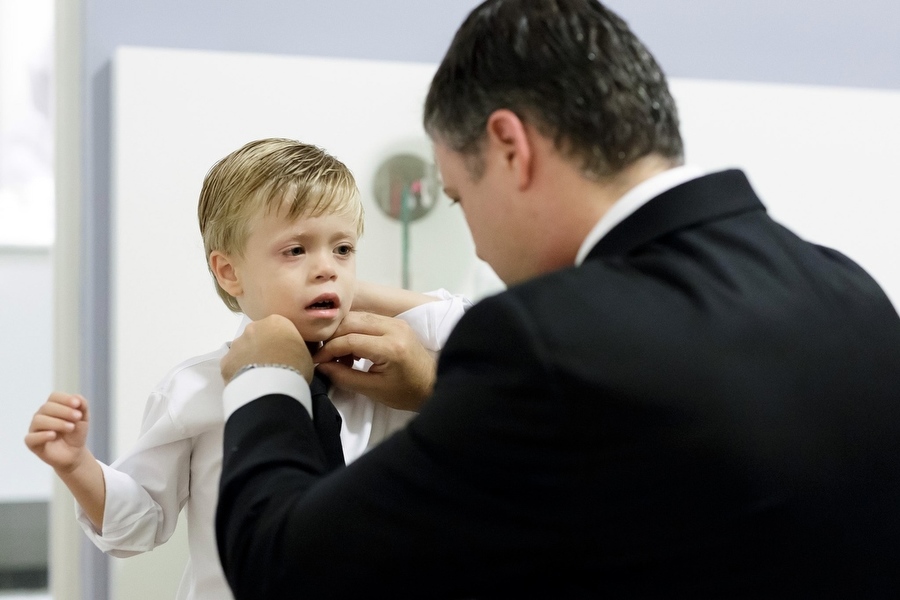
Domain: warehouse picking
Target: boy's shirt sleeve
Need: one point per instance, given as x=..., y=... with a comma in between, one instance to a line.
x=147, y=486
x=433, y=321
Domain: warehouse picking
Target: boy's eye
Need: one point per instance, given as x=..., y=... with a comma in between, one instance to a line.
x=296, y=251
x=344, y=249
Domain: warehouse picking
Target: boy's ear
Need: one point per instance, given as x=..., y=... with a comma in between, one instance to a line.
x=226, y=274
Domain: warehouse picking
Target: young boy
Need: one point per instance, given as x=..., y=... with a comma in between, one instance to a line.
x=280, y=222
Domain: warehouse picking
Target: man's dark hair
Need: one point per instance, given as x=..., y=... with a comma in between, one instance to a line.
x=571, y=68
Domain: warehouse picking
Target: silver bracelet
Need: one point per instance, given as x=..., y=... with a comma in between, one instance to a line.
x=246, y=368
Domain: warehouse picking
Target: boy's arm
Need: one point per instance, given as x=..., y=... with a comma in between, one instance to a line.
x=57, y=436
x=386, y=300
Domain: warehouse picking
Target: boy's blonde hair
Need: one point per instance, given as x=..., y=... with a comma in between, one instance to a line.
x=272, y=174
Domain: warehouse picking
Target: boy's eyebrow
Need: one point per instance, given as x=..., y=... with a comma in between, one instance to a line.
x=344, y=233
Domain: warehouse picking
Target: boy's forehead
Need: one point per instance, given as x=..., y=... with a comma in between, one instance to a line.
x=344, y=217
x=284, y=206
x=288, y=204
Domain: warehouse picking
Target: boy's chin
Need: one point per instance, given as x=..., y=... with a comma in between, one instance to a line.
x=316, y=335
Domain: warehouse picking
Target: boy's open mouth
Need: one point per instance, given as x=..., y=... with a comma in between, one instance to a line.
x=325, y=302
x=322, y=304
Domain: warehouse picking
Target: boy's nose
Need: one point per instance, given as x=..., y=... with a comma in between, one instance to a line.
x=324, y=268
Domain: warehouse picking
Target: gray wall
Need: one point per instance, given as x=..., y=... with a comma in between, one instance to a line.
x=830, y=42
x=25, y=356
x=25, y=331
x=824, y=42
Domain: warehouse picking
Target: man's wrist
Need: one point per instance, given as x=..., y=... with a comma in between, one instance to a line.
x=262, y=380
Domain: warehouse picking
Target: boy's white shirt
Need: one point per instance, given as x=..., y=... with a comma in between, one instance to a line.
x=177, y=459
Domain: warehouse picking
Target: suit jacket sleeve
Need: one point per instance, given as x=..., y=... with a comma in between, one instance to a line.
x=448, y=503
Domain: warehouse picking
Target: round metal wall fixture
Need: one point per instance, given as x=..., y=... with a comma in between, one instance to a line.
x=406, y=187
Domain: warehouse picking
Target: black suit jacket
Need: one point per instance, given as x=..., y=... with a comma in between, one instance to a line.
x=708, y=407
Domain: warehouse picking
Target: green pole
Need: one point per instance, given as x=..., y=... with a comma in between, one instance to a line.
x=404, y=224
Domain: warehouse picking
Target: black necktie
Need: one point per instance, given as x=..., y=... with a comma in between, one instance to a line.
x=327, y=422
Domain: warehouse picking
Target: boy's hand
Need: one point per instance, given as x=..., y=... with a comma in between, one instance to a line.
x=273, y=340
x=58, y=431
x=402, y=372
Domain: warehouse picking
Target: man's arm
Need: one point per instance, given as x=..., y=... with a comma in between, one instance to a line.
x=402, y=372
x=439, y=503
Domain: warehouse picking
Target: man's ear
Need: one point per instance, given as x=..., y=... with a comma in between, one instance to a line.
x=224, y=270
x=508, y=136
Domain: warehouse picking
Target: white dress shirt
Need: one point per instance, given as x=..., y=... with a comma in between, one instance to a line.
x=177, y=459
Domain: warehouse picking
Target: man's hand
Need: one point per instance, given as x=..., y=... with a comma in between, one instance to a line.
x=273, y=340
x=402, y=373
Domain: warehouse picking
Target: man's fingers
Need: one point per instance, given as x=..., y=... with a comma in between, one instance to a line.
x=347, y=377
x=363, y=322
x=351, y=344
x=272, y=340
x=369, y=336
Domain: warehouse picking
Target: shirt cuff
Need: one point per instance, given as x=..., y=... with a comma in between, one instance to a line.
x=262, y=381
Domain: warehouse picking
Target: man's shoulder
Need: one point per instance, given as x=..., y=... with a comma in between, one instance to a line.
x=550, y=308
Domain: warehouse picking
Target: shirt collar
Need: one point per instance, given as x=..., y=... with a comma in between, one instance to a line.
x=633, y=199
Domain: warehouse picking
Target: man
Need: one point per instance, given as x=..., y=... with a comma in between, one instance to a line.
x=676, y=396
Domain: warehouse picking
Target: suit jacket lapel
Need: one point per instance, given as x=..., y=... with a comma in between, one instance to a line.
x=713, y=196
